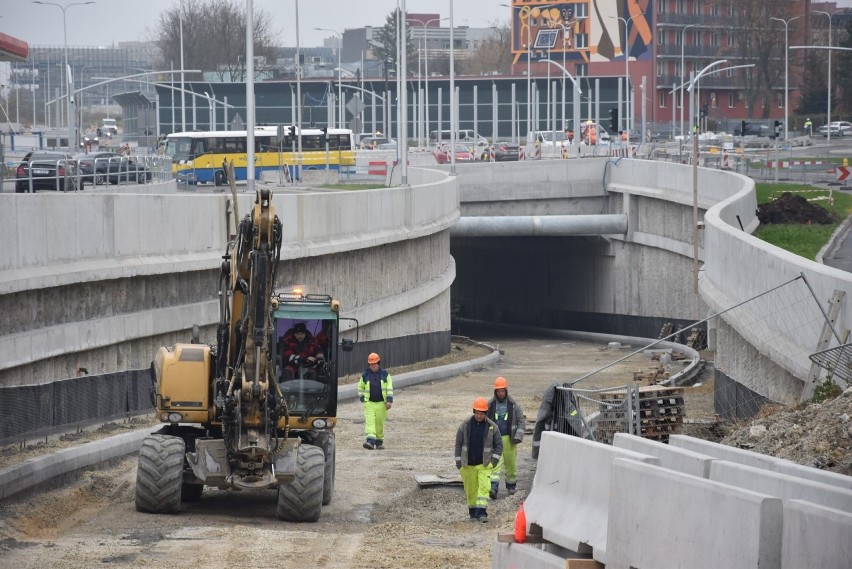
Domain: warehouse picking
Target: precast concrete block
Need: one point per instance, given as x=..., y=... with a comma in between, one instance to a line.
x=570, y=495
x=707, y=525
x=785, y=486
x=523, y=556
x=757, y=460
x=815, y=536
x=673, y=458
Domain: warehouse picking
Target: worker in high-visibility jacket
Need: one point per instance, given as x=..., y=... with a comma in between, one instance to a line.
x=478, y=450
x=509, y=418
x=375, y=390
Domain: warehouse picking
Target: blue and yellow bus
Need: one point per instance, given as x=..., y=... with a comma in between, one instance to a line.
x=197, y=157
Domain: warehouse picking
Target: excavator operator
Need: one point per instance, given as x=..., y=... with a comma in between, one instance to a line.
x=299, y=350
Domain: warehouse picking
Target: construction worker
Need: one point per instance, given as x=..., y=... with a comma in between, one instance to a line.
x=809, y=126
x=375, y=390
x=478, y=450
x=509, y=418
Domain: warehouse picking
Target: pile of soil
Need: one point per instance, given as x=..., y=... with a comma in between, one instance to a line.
x=791, y=208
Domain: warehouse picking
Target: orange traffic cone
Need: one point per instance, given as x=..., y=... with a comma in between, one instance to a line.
x=520, y=524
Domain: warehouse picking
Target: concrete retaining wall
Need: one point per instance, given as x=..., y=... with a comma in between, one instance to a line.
x=570, y=501
x=707, y=524
x=815, y=536
x=757, y=460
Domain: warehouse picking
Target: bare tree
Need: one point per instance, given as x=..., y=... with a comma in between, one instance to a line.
x=493, y=55
x=214, y=33
x=761, y=42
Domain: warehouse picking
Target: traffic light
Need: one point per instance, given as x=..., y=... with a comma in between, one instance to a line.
x=324, y=137
x=704, y=109
x=613, y=119
x=743, y=128
x=293, y=132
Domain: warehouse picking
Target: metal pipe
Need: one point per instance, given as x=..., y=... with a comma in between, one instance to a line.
x=539, y=225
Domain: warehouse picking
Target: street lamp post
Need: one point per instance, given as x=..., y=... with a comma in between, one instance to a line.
x=786, y=72
x=682, y=73
x=339, y=76
x=426, y=68
x=626, y=51
x=69, y=85
x=828, y=114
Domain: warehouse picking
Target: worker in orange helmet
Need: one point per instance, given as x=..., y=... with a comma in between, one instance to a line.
x=509, y=418
x=375, y=390
x=478, y=450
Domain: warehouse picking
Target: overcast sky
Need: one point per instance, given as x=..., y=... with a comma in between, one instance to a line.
x=110, y=21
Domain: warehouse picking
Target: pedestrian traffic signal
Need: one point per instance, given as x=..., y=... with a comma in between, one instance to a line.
x=613, y=119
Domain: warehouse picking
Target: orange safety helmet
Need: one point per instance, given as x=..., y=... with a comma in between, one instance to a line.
x=480, y=404
x=501, y=383
x=373, y=358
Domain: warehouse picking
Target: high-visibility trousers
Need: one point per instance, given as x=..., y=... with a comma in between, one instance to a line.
x=509, y=459
x=477, y=484
x=375, y=414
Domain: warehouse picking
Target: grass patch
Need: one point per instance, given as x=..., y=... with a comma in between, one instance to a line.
x=802, y=239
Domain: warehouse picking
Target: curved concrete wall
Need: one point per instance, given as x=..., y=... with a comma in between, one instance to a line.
x=101, y=280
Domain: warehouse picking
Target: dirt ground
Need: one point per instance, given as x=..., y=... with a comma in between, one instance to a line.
x=792, y=208
x=379, y=516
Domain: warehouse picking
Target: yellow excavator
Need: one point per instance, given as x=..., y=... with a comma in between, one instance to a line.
x=235, y=416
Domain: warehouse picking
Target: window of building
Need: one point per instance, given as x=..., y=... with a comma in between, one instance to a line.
x=696, y=7
x=696, y=38
x=713, y=100
x=661, y=38
x=715, y=8
x=731, y=9
x=681, y=9
x=661, y=7
x=661, y=103
x=581, y=41
x=714, y=39
x=581, y=10
x=581, y=69
x=780, y=98
x=731, y=40
x=731, y=100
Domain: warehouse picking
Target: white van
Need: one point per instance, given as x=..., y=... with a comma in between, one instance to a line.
x=109, y=127
x=464, y=136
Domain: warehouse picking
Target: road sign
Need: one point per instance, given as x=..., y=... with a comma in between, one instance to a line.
x=355, y=106
x=843, y=173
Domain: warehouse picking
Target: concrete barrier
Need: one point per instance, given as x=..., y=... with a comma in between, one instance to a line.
x=757, y=460
x=569, y=499
x=523, y=556
x=815, y=536
x=673, y=458
x=709, y=525
x=783, y=486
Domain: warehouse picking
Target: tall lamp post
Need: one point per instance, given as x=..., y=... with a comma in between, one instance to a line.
x=787, y=72
x=426, y=68
x=828, y=114
x=682, y=73
x=69, y=86
x=626, y=51
x=339, y=76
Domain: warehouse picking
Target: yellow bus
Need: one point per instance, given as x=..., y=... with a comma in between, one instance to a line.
x=197, y=157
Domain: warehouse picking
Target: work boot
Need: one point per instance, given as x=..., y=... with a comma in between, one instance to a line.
x=494, y=487
x=510, y=488
x=473, y=514
x=483, y=516
x=370, y=444
x=380, y=444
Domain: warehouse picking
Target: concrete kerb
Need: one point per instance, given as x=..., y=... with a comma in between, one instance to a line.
x=836, y=240
x=42, y=470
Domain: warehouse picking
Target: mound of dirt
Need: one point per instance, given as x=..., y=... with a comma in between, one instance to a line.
x=791, y=208
x=818, y=435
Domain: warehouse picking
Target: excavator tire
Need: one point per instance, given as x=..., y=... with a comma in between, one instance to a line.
x=330, y=450
x=159, y=474
x=301, y=500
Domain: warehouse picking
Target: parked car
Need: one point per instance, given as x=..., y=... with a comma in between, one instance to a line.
x=463, y=154
x=503, y=152
x=373, y=142
x=46, y=171
x=838, y=128
x=94, y=167
x=463, y=136
x=127, y=169
x=752, y=129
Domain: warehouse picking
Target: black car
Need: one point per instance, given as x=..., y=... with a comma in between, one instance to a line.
x=45, y=170
x=95, y=166
x=127, y=169
x=503, y=152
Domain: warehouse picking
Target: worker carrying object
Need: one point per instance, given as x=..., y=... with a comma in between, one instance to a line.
x=478, y=450
x=509, y=418
x=809, y=126
x=375, y=390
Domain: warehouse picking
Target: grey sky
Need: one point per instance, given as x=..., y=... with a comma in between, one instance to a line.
x=111, y=21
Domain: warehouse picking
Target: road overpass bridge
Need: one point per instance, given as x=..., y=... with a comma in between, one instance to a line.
x=97, y=282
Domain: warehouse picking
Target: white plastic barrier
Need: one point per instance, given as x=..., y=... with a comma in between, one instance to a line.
x=781, y=485
x=677, y=459
x=664, y=519
x=570, y=495
x=757, y=460
x=815, y=536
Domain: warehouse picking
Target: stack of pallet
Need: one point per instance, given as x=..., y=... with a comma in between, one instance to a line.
x=661, y=412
